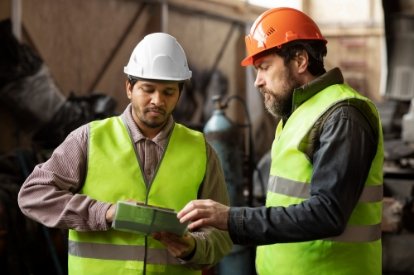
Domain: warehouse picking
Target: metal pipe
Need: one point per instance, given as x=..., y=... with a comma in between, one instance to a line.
x=16, y=18
x=117, y=47
x=194, y=12
x=219, y=56
x=164, y=16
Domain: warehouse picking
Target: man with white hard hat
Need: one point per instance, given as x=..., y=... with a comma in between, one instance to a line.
x=140, y=156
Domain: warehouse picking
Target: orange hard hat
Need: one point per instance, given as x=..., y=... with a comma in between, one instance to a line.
x=276, y=27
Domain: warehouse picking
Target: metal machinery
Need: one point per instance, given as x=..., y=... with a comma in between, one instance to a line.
x=398, y=125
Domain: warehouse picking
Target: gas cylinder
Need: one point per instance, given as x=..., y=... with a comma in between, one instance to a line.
x=227, y=140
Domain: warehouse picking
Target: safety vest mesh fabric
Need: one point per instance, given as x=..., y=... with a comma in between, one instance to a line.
x=113, y=174
x=358, y=249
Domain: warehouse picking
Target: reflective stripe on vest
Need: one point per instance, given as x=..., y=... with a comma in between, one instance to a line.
x=352, y=233
x=114, y=173
x=289, y=184
x=370, y=193
x=121, y=252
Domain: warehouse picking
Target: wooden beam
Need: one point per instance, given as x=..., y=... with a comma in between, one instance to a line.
x=226, y=10
x=117, y=47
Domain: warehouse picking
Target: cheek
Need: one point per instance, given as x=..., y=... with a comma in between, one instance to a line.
x=171, y=104
x=269, y=79
x=278, y=82
x=138, y=102
x=139, y=97
x=173, y=100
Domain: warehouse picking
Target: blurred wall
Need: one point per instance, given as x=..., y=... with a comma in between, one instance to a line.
x=85, y=44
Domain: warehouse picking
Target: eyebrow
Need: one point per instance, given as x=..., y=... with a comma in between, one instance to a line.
x=261, y=64
x=151, y=85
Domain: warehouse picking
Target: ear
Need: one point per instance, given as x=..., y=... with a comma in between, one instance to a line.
x=302, y=61
x=128, y=89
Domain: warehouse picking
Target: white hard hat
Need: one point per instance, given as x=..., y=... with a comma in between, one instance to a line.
x=158, y=56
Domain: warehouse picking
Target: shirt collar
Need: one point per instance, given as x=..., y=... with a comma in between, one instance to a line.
x=160, y=139
x=308, y=90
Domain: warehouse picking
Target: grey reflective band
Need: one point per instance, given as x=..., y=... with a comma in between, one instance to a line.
x=359, y=233
x=370, y=193
x=352, y=233
x=288, y=187
x=121, y=253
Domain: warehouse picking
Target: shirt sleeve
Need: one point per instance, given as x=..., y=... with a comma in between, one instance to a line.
x=211, y=244
x=341, y=161
x=49, y=196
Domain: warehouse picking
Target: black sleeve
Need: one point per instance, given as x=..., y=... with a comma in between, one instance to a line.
x=341, y=161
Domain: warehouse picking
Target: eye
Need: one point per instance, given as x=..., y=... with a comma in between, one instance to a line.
x=147, y=89
x=169, y=92
x=264, y=67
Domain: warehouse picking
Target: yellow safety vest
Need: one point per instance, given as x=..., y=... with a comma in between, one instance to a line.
x=358, y=249
x=114, y=173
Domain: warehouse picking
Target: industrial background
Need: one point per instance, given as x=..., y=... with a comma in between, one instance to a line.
x=61, y=65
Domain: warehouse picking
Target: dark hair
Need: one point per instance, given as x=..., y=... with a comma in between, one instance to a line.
x=316, y=50
x=132, y=80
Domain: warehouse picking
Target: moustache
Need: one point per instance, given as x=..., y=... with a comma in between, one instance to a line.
x=264, y=91
x=155, y=110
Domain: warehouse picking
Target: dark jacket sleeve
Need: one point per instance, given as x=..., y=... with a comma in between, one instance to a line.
x=342, y=158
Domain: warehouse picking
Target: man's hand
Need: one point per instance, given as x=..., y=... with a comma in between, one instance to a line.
x=204, y=213
x=110, y=213
x=179, y=247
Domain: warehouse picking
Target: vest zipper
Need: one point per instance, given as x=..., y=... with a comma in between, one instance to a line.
x=145, y=256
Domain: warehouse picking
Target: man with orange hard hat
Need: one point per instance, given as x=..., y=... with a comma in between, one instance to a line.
x=324, y=197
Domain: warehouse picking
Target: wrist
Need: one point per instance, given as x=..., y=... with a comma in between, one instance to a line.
x=189, y=256
x=190, y=253
x=110, y=213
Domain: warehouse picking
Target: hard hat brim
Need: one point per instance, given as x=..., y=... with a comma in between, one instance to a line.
x=134, y=74
x=247, y=61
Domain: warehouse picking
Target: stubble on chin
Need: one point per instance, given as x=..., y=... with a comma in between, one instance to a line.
x=274, y=104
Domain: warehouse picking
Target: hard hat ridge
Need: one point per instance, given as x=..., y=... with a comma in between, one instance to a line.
x=276, y=27
x=158, y=56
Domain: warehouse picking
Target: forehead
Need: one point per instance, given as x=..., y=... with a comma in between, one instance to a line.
x=158, y=83
x=266, y=59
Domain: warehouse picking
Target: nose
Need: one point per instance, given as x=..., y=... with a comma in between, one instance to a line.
x=157, y=98
x=259, y=82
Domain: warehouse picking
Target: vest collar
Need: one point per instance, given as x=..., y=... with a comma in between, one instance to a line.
x=308, y=90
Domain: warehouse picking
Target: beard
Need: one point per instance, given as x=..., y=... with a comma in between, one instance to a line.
x=280, y=104
x=152, y=122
